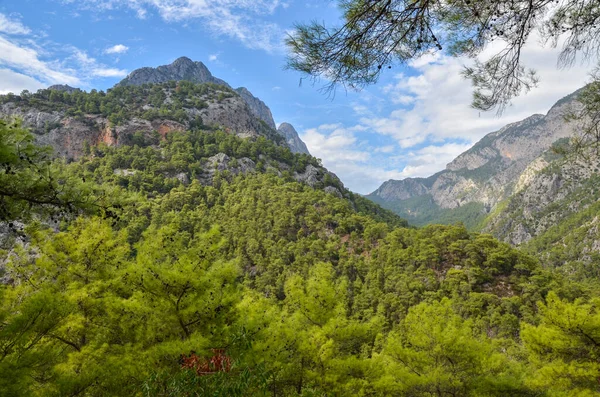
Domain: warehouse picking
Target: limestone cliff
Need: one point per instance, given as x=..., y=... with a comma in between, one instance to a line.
x=291, y=137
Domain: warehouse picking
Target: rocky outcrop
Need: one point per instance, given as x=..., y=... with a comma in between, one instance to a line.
x=257, y=107
x=316, y=177
x=63, y=87
x=291, y=137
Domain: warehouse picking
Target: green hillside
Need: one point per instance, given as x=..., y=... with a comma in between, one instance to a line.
x=155, y=273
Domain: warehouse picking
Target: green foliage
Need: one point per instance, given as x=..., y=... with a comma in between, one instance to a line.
x=422, y=210
x=564, y=348
x=436, y=352
x=30, y=182
x=308, y=293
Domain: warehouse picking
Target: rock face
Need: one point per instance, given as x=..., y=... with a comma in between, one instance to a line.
x=67, y=131
x=552, y=191
x=490, y=171
x=257, y=107
x=291, y=137
x=68, y=135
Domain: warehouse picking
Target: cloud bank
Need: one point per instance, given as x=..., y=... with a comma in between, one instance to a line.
x=242, y=20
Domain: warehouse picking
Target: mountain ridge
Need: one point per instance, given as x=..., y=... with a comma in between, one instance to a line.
x=183, y=68
x=488, y=171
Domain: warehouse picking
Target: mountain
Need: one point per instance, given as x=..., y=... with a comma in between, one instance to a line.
x=518, y=185
x=474, y=183
x=66, y=122
x=185, y=69
x=291, y=137
x=182, y=68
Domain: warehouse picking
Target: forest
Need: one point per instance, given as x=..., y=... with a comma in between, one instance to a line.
x=140, y=284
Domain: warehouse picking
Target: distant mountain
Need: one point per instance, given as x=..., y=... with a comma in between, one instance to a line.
x=474, y=183
x=63, y=88
x=291, y=137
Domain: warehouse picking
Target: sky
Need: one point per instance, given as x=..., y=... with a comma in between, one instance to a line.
x=415, y=120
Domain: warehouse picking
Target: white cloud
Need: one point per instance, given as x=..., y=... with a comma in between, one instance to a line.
x=439, y=99
x=16, y=82
x=117, y=49
x=341, y=152
x=385, y=149
x=26, y=60
x=29, y=62
x=90, y=67
x=12, y=26
x=213, y=57
x=243, y=20
x=108, y=72
x=333, y=144
x=430, y=159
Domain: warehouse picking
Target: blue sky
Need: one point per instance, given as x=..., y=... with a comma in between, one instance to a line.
x=411, y=123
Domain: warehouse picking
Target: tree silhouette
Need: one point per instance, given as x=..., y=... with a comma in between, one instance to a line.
x=377, y=33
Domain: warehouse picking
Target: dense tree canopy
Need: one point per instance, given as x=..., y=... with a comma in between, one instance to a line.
x=257, y=285
x=30, y=182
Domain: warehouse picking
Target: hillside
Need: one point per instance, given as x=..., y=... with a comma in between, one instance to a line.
x=184, y=249
x=292, y=289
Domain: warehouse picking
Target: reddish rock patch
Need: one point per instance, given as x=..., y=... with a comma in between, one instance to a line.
x=165, y=127
x=107, y=136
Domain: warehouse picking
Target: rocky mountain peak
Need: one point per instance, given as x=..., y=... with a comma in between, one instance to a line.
x=182, y=68
x=183, y=62
x=257, y=107
x=291, y=137
x=63, y=87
